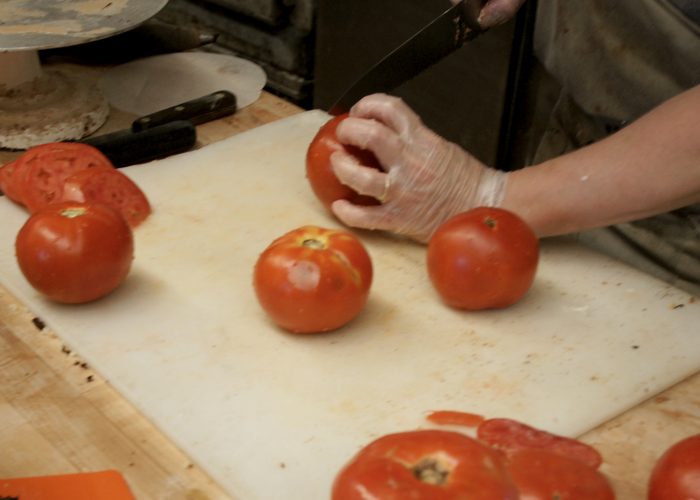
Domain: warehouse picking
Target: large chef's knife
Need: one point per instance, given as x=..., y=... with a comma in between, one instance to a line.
x=127, y=147
x=439, y=38
x=163, y=133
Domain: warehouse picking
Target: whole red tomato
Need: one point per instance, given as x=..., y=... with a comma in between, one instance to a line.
x=541, y=474
x=676, y=474
x=74, y=252
x=425, y=465
x=313, y=279
x=484, y=258
x=324, y=183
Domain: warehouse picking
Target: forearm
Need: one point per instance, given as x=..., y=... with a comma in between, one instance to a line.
x=649, y=167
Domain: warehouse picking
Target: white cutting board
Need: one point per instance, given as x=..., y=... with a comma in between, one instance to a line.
x=274, y=416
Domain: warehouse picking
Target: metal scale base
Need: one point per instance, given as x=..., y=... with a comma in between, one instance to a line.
x=40, y=104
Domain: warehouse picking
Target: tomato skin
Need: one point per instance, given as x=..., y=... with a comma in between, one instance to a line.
x=8, y=182
x=324, y=183
x=510, y=436
x=676, y=474
x=390, y=468
x=452, y=417
x=73, y=252
x=483, y=258
x=313, y=279
x=540, y=474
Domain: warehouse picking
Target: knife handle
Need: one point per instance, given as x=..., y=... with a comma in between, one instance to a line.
x=471, y=9
x=126, y=147
x=196, y=111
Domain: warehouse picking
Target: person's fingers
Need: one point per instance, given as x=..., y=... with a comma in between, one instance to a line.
x=374, y=136
x=497, y=12
x=366, y=217
x=365, y=180
x=389, y=110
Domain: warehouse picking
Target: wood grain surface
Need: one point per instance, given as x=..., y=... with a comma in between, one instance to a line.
x=57, y=415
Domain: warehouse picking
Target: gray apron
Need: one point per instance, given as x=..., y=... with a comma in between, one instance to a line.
x=612, y=61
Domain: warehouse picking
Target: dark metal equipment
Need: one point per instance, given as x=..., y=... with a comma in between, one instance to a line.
x=276, y=34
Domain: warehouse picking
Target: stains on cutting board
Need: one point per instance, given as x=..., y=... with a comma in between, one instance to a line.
x=80, y=364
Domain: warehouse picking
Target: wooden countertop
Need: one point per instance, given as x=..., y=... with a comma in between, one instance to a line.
x=57, y=415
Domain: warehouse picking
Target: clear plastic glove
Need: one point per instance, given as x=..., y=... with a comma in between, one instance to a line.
x=426, y=179
x=495, y=12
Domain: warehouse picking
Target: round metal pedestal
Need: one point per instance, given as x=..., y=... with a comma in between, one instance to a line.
x=43, y=104
x=54, y=105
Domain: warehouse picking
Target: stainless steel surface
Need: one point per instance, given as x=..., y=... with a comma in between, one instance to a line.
x=57, y=105
x=276, y=34
x=42, y=24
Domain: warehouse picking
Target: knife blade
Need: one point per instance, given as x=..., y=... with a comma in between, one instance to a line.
x=442, y=36
x=163, y=133
x=126, y=147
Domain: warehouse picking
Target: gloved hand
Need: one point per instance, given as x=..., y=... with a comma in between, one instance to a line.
x=495, y=12
x=426, y=179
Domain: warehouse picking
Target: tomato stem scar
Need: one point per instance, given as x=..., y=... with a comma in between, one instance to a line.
x=431, y=471
x=490, y=222
x=313, y=243
x=73, y=212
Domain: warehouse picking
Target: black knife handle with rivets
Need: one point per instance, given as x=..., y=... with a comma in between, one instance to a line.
x=203, y=109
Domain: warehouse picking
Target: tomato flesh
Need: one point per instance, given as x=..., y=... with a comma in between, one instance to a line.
x=44, y=169
x=73, y=252
x=511, y=436
x=111, y=187
x=313, y=279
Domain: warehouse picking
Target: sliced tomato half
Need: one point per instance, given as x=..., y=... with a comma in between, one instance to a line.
x=110, y=187
x=45, y=168
x=9, y=182
x=510, y=436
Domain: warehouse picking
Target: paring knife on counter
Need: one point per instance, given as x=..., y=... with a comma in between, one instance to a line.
x=163, y=133
x=439, y=38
